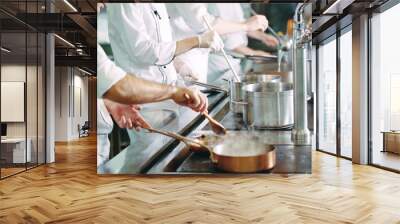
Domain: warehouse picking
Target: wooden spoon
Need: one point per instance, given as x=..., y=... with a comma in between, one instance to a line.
x=193, y=143
x=216, y=127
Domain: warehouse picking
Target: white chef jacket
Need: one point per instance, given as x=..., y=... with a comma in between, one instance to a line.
x=187, y=21
x=141, y=40
x=107, y=72
x=107, y=75
x=217, y=66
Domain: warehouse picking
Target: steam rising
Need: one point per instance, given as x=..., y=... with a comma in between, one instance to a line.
x=240, y=145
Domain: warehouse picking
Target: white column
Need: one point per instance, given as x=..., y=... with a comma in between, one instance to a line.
x=360, y=90
x=50, y=92
x=50, y=99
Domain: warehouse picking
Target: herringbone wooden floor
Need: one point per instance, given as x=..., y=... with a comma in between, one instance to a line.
x=70, y=191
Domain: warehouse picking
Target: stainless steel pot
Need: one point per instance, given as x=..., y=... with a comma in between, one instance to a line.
x=236, y=94
x=285, y=76
x=269, y=105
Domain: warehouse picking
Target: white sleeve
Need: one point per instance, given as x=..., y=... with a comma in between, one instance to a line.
x=107, y=72
x=231, y=12
x=128, y=19
x=234, y=40
x=193, y=14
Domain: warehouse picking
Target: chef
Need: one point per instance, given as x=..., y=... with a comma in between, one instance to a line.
x=187, y=20
x=141, y=40
x=116, y=97
x=142, y=44
x=234, y=42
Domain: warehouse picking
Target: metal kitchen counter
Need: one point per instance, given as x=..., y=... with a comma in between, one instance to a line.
x=158, y=154
x=146, y=147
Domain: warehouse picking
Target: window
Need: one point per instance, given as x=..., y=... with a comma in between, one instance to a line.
x=327, y=97
x=346, y=94
x=385, y=87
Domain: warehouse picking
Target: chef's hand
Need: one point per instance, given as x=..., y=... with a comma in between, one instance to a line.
x=212, y=40
x=126, y=116
x=269, y=40
x=257, y=22
x=185, y=71
x=191, y=98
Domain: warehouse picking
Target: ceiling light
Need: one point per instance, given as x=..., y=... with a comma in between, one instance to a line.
x=326, y=11
x=5, y=50
x=84, y=71
x=65, y=41
x=337, y=7
x=70, y=5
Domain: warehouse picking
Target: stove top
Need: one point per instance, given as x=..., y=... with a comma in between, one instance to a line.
x=289, y=159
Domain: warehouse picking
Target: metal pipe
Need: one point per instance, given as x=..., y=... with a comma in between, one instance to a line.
x=301, y=39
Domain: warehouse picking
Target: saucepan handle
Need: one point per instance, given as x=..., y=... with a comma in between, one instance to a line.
x=212, y=157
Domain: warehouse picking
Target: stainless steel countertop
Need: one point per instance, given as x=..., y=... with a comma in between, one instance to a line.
x=157, y=154
x=147, y=146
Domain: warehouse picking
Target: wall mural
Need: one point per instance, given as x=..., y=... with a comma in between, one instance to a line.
x=181, y=88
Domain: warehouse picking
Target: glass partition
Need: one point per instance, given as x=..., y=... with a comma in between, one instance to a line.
x=327, y=97
x=15, y=151
x=346, y=94
x=22, y=88
x=385, y=89
x=41, y=96
x=31, y=98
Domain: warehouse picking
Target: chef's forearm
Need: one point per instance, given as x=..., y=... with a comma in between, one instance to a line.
x=244, y=50
x=256, y=34
x=185, y=45
x=134, y=90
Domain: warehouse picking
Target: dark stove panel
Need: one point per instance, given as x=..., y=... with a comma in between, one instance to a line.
x=290, y=159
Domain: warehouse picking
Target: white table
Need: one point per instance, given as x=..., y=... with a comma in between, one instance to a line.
x=17, y=147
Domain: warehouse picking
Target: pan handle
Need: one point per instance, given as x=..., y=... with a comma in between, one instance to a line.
x=212, y=157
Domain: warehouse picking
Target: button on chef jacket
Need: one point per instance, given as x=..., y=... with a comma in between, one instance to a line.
x=108, y=74
x=187, y=21
x=141, y=40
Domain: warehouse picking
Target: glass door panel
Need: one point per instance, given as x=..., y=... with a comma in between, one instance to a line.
x=14, y=154
x=32, y=98
x=327, y=97
x=41, y=99
x=346, y=94
x=385, y=89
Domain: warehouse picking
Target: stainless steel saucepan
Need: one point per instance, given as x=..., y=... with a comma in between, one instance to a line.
x=269, y=105
x=236, y=94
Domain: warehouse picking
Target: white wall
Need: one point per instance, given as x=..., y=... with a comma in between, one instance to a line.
x=33, y=127
x=61, y=103
x=16, y=73
x=69, y=82
x=12, y=73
